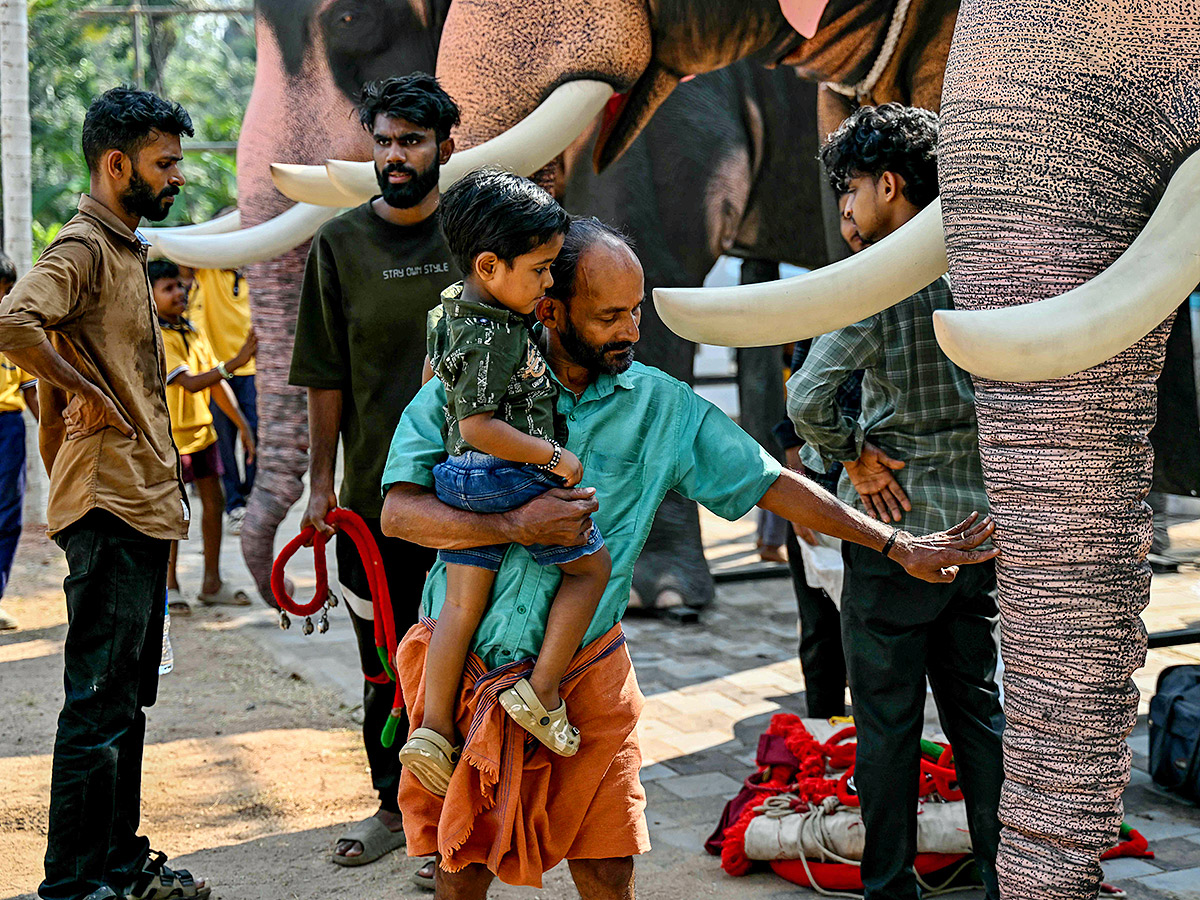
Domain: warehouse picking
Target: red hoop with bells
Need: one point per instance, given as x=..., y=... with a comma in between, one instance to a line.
x=352, y=525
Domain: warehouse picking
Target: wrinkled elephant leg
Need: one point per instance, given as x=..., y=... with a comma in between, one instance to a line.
x=1046, y=178
x=283, y=443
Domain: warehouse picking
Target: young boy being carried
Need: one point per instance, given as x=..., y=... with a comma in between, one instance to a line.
x=192, y=373
x=504, y=438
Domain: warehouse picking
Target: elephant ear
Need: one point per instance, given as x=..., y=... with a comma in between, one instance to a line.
x=627, y=114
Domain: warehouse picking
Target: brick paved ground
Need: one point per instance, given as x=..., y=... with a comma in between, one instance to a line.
x=711, y=689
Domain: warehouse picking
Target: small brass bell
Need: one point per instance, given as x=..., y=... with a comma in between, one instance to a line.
x=284, y=622
x=323, y=624
x=308, y=625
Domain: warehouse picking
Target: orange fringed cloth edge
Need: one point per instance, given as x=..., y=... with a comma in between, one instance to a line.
x=512, y=804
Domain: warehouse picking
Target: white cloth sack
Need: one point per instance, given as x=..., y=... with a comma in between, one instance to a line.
x=823, y=565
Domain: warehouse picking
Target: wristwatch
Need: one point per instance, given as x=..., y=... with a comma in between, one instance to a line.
x=225, y=373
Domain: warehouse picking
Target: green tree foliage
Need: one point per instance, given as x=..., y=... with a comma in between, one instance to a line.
x=205, y=62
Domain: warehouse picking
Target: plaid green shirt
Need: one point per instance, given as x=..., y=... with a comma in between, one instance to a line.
x=917, y=406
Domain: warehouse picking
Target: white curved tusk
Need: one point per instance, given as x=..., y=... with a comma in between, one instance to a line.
x=272, y=238
x=231, y=221
x=526, y=147
x=823, y=300
x=311, y=184
x=1094, y=322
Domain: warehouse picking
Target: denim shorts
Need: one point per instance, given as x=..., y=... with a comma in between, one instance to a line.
x=477, y=482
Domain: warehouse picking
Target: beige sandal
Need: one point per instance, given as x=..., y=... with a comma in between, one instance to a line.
x=430, y=757
x=551, y=728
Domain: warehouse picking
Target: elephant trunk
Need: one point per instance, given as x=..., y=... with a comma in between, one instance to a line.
x=295, y=115
x=1067, y=462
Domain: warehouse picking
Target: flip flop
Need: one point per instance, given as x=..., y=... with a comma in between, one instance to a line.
x=225, y=596
x=176, y=603
x=431, y=759
x=424, y=882
x=551, y=728
x=376, y=838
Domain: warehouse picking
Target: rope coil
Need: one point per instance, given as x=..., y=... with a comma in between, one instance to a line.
x=352, y=525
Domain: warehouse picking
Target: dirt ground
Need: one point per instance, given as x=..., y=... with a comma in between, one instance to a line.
x=251, y=771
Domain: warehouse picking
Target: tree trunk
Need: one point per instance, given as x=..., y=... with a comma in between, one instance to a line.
x=1046, y=179
x=18, y=193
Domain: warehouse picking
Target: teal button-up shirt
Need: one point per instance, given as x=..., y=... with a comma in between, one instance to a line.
x=639, y=434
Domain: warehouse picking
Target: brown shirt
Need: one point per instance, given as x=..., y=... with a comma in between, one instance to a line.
x=88, y=294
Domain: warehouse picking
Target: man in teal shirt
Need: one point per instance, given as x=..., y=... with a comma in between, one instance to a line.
x=639, y=433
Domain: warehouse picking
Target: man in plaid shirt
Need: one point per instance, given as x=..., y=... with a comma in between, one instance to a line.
x=912, y=458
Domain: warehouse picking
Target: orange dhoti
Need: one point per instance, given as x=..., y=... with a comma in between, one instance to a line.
x=512, y=805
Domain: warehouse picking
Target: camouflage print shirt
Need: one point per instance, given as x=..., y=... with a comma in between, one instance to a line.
x=488, y=360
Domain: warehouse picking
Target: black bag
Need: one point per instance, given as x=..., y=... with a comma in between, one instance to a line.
x=1175, y=731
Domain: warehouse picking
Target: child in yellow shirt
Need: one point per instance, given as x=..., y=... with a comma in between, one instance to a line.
x=219, y=306
x=16, y=390
x=193, y=374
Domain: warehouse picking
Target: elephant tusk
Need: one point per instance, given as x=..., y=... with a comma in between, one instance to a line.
x=239, y=248
x=820, y=301
x=311, y=184
x=525, y=148
x=231, y=221
x=1094, y=322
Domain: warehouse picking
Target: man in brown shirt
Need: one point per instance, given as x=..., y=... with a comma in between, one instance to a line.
x=82, y=321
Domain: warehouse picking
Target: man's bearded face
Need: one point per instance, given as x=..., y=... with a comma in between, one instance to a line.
x=612, y=358
x=140, y=199
x=407, y=194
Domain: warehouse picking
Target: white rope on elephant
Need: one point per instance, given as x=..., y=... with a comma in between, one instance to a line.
x=814, y=833
x=861, y=91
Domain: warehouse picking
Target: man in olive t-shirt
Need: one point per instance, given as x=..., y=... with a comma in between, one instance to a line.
x=372, y=276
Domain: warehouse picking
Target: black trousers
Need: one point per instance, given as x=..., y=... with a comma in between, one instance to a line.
x=115, y=592
x=406, y=566
x=897, y=630
x=821, y=658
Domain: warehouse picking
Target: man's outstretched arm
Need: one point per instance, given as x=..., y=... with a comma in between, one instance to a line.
x=561, y=516
x=933, y=557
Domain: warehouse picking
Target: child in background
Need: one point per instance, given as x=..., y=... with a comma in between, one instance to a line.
x=192, y=374
x=219, y=307
x=504, y=437
x=17, y=390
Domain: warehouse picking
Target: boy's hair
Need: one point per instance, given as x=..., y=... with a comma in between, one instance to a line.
x=585, y=231
x=416, y=98
x=124, y=119
x=493, y=210
x=161, y=268
x=8, y=269
x=887, y=138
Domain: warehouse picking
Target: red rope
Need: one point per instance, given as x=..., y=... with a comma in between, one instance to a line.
x=352, y=525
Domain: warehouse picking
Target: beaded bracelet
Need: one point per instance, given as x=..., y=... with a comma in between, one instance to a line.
x=554, y=460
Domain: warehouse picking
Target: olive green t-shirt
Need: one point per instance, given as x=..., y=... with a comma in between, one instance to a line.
x=368, y=285
x=487, y=358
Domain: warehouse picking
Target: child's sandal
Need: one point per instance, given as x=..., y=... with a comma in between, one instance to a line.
x=551, y=728
x=431, y=759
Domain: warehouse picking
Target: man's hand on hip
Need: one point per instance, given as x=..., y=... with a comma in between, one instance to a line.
x=559, y=517
x=90, y=411
x=936, y=557
x=871, y=475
